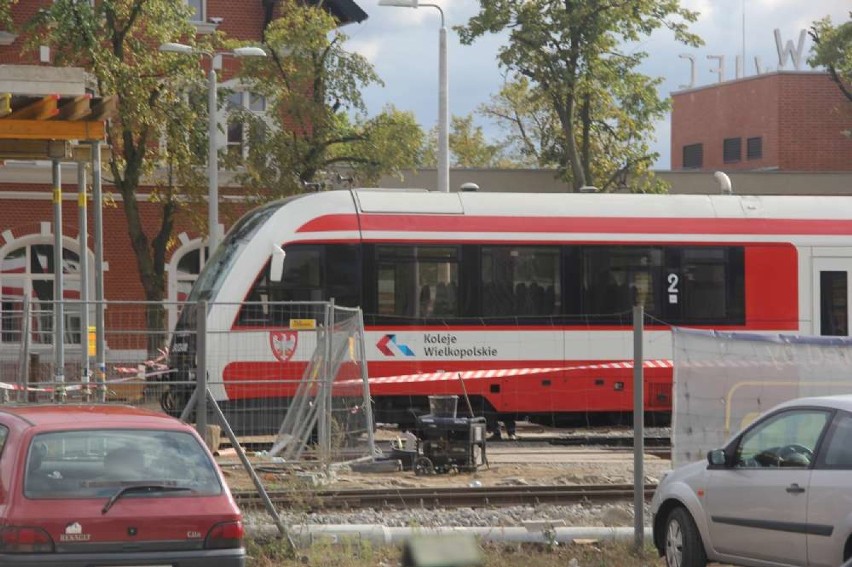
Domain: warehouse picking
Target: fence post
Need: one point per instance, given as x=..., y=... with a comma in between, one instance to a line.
x=324, y=392
x=365, y=379
x=84, y=277
x=100, y=298
x=58, y=288
x=201, y=369
x=638, y=431
x=24, y=370
x=34, y=364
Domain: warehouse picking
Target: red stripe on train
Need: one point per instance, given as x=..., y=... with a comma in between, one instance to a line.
x=604, y=225
x=579, y=386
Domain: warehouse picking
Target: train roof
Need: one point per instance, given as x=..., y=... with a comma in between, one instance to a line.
x=408, y=201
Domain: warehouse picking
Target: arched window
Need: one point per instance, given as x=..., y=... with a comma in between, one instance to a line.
x=27, y=270
x=185, y=265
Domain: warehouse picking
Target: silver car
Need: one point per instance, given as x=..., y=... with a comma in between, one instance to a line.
x=779, y=493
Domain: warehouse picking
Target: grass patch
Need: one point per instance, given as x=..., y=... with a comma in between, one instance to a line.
x=353, y=553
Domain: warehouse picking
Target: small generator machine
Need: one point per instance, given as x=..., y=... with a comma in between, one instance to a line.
x=446, y=443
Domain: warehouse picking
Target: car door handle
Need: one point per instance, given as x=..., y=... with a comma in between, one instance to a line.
x=795, y=489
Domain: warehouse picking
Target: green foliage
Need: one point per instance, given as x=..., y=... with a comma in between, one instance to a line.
x=530, y=124
x=468, y=147
x=584, y=106
x=116, y=42
x=6, y=22
x=832, y=49
x=317, y=125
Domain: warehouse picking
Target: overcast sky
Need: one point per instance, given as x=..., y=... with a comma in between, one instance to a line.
x=402, y=45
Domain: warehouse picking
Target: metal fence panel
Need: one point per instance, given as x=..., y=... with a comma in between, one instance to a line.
x=310, y=369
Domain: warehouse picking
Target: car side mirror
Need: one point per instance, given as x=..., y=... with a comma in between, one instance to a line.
x=717, y=458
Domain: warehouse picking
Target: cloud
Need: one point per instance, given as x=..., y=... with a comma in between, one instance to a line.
x=402, y=44
x=369, y=48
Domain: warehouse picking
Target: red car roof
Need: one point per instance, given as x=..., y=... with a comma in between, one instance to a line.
x=90, y=414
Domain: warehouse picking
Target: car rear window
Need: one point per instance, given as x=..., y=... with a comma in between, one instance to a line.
x=96, y=462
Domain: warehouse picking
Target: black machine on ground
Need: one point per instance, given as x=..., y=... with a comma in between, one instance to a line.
x=446, y=443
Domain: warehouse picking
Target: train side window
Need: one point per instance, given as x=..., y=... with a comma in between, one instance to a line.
x=708, y=286
x=417, y=282
x=302, y=281
x=343, y=274
x=615, y=278
x=521, y=281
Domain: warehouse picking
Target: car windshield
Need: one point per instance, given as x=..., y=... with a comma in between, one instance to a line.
x=95, y=463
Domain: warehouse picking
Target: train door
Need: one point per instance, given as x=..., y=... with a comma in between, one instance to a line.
x=832, y=296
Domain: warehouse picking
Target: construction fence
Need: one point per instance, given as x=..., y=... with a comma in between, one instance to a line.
x=724, y=380
x=302, y=384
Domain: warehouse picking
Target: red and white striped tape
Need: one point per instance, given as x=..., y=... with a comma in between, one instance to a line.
x=69, y=388
x=506, y=372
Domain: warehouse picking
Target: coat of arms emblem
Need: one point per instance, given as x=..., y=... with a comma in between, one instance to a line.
x=283, y=344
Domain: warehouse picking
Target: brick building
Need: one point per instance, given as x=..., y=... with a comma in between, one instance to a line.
x=783, y=121
x=26, y=215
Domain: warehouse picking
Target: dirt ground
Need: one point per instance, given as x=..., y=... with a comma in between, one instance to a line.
x=509, y=463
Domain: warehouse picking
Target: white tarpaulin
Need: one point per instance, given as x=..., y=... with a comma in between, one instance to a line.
x=724, y=380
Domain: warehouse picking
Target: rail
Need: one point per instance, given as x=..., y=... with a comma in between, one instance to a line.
x=454, y=497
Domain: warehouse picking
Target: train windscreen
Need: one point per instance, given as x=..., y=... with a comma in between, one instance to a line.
x=220, y=264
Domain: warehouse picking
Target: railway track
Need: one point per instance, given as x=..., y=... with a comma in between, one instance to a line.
x=652, y=444
x=455, y=497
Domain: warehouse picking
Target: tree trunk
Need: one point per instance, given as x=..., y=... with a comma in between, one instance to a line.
x=574, y=165
x=152, y=278
x=586, y=118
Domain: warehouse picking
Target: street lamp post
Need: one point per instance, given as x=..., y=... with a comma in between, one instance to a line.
x=443, y=109
x=212, y=150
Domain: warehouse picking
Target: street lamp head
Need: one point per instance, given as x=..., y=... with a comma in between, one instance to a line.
x=249, y=52
x=399, y=3
x=177, y=48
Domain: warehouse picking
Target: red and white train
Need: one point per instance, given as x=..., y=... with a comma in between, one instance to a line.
x=507, y=284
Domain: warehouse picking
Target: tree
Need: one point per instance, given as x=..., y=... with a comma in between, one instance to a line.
x=6, y=22
x=531, y=126
x=573, y=53
x=112, y=40
x=832, y=49
x=468, y=146
x=316, y=125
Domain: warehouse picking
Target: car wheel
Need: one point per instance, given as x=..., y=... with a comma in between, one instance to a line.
x=683, y=542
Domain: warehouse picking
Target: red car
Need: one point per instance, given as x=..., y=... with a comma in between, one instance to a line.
x=98, y=485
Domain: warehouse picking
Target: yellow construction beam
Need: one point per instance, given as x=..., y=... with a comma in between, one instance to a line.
x=41, y=109
x=75, y=109
x=105, y=108
x=34, y=149
x=83, y=153
x=89, y=130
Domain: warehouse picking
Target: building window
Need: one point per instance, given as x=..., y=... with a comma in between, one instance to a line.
x=198, y=14
x=732, y=150
x=234, y=131
x=238, y=134
x=27, y=272
x=693, y=156
x=257, y=103
x=185, y=265
x=754, y=148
